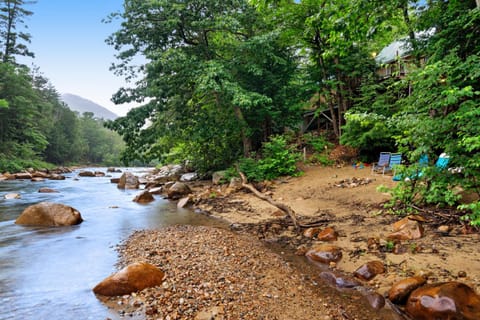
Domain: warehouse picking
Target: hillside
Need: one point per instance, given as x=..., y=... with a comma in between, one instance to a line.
x=81, y=105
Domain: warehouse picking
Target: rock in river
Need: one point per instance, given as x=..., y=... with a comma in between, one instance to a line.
x=450, y=300
x=134, y=277
x=49, y=214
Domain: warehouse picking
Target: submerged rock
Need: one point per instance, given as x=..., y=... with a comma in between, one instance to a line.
x=49, y=214
x=10, y=196
x=450, y=300
x=134, y=277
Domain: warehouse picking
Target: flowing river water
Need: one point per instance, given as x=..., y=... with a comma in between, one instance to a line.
x=49, y=273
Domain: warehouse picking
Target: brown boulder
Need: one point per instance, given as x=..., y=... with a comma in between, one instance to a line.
x=134, y=277
x=400, y=290
x=23, y=176
x=49, y=214
x=86, y=174
x=327, y=234
x=144, y=197
x=128, y=181
x=178, y=190
x=47, y=190
x=406, y=229
x=55, y=176
x=369, y=270
x=449, y=301
x=324, y=253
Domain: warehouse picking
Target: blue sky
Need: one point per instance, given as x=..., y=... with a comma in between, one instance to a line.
x=68, y=40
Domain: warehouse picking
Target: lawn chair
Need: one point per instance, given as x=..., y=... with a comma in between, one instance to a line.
x=382, y=163
x=395, y=160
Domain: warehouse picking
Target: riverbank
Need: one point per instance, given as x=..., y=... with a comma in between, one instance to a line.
x=345, y=199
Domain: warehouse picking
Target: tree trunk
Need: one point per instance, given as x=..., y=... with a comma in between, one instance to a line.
x=246, y=141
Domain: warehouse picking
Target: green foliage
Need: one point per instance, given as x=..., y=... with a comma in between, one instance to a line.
x=277, y=159
x=474, y=216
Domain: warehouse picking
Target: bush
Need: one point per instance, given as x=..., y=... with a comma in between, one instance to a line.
x=278, y=159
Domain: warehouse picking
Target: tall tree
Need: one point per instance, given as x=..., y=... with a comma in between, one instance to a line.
x=12, y=39
x=217, y=79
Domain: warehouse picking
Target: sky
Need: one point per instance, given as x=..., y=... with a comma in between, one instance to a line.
x=68, y=40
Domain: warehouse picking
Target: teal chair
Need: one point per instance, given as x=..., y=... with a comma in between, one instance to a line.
x=395, y=160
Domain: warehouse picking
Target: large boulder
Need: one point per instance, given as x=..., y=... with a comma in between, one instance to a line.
x=128, y=181
x=178, y=190
x=144, y=197
x=49, y=214
x=86, y=173
x=450, y=300
x=134, y=277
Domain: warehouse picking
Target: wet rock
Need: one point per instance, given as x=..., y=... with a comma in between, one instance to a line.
x=47, y=190
x=156, y=190
x=99, y=174
x=450, y=300
x=406, y=229
x=86, y=173
x=111, y=169
x=235, y=184
x=444, y=229
x=23, y=176
x=49, y=214
x=10, y=196
x=327, y=234
x=400, y=290
x=376, y=300
x=183, y=202
x=167, y=173
x=369, y=270
x=37, y=179
x=128, y=181
x=338, y=281
x=311, y=232
x=178, y=190
x=56, y=176
x=40, y=174
x=144, y=197
x=115, y=180
x=134, y=277
x=324, y=253
x=190, y=176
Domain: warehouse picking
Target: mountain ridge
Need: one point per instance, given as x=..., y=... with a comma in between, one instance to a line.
x=81, y=105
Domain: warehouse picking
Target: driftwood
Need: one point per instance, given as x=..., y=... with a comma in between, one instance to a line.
x=264, y=197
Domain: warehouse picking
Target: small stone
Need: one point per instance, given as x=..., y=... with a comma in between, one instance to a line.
x=369, y=270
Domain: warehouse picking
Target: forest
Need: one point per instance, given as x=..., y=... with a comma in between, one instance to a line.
x=230, y=82
x=37, y=130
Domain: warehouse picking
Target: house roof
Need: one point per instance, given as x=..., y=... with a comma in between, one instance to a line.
x=399, y=48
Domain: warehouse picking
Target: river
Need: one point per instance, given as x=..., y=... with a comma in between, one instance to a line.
x=49, y=273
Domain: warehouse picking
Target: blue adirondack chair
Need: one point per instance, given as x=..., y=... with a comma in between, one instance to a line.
x=395, y=160
x=382, y=163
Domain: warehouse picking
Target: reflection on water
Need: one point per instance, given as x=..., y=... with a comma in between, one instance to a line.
x=48, y=273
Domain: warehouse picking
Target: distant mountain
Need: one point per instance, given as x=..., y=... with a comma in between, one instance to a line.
x=81, y=105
